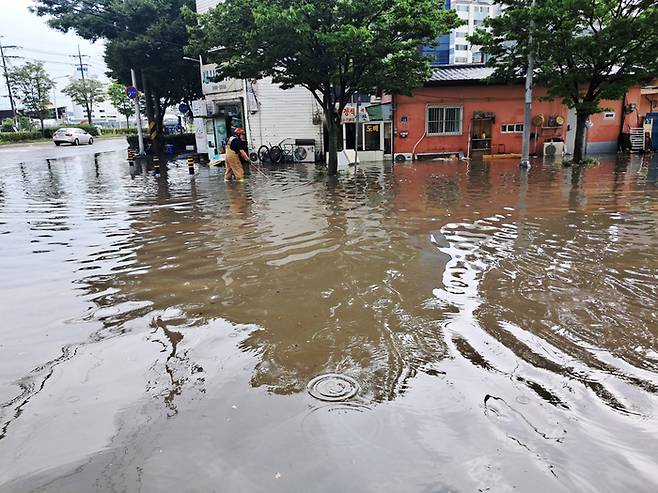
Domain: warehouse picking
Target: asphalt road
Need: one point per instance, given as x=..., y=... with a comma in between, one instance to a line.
x=40, y=151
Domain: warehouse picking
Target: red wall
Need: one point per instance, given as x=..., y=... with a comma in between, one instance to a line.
x=507, y=104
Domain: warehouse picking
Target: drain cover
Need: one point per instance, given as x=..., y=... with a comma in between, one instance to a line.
x=333, y=387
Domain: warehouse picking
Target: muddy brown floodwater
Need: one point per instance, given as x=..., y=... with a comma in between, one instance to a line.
x=492, y=329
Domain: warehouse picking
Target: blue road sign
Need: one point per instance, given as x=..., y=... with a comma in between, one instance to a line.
x=183, y=108
x=131, y=92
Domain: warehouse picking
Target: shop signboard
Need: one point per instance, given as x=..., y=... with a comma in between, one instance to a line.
x=209, y=86
x=349, y=114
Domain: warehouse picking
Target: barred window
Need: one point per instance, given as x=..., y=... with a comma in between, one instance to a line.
x=444, y=120
x=512, y=128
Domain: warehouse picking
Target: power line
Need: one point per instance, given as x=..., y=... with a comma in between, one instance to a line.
x=7, y=79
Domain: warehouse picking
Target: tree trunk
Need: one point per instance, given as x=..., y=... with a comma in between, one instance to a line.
x=41, y=121
x=332, y=134
x=89, y=111
x=580, y=146
x=127, y=122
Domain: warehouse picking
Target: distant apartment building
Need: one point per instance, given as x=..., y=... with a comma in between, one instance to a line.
x=453, y=48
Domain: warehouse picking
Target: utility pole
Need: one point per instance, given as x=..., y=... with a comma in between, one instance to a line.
x=6, y=71
x=138, y=114
x=84, y=83
x=527, y=123
x=356, y=132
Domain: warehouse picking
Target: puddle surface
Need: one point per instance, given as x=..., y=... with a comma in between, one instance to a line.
x=499, y=328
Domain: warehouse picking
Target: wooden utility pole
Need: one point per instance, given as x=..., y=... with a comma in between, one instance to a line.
x=6, y=71
x=84, y=84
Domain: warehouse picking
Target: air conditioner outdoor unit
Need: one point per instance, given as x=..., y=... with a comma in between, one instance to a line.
x=304, y=151
x=403, y=157
x=553, y=149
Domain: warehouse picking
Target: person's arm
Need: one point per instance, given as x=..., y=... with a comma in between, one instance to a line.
x=244, y=155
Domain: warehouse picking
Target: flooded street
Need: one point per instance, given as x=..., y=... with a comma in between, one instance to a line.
x=497, y=329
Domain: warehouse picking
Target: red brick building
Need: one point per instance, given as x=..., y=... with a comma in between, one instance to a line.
x=458, y=112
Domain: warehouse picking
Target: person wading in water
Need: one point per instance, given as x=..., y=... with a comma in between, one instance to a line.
x=235, y=153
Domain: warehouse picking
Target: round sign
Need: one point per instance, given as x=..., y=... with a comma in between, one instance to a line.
x=131, y=92
x=183, y=108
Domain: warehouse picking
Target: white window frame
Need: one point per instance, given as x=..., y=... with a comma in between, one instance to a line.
x=505, y=128
x=444, y=106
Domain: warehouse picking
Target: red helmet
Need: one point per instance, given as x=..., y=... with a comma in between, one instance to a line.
x=239, y=131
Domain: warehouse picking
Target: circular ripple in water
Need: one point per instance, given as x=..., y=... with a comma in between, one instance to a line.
x=333, y=387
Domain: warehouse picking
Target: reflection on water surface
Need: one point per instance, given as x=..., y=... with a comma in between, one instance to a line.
x=161, y=334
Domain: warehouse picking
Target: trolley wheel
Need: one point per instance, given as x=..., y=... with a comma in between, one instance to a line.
x=264, y=154
x=276, y=154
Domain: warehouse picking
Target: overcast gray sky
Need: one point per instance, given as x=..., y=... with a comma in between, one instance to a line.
x=19, y=26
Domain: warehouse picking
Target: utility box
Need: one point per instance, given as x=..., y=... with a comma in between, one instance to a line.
x=651, y=121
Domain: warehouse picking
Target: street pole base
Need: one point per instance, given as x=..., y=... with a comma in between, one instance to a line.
x=525, y=164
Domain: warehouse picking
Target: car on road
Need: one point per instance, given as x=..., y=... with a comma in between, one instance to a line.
x=74, y=136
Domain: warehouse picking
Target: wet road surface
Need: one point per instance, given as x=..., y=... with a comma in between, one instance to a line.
x=493, y=329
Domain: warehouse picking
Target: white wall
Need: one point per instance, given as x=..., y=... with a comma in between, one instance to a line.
x=203, y=6
x=275, y=114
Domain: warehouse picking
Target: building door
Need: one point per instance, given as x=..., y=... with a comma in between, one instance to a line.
x=372, y=136
x=481, y=134
x=571, y=131
x=388, y=138
x=349, y=130
x=211, y=139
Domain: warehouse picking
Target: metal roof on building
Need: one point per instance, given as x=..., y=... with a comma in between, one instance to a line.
x=452, y=74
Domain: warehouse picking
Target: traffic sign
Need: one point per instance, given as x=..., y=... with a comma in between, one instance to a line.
x=131, y=92
x=183, y=108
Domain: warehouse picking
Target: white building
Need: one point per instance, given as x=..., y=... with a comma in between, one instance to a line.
x=288, y=119
x=269, y=115
x=473, y=12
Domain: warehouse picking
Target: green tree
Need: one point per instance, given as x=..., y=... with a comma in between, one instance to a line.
x=147, y=35
x=333, y=48
x=86, y=93
x=25, y=124
x=586, y=51
x=32, y=87
x=119, y=99
x=8, y=125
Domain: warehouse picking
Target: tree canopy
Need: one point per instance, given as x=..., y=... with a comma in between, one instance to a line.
x=586, y=51
x=117, y=94
x=32, y=86
x=146, y=35
x=86, y=93
x=333, y=48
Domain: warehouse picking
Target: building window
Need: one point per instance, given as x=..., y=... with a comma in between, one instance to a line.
x=512, y=128
x=444, y=120
x=461, y=8
x=461, y=59
x=609, y=115
x=478, y=22
x=461, y=47
x=372, y=138
x=460, y=34
x=482, y=10
x=478, y=57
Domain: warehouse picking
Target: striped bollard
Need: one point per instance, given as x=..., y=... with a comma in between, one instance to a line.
x=190, y=164
x=156, y=165
x=131, y=160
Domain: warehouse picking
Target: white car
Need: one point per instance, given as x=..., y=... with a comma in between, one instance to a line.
x=74, y=136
